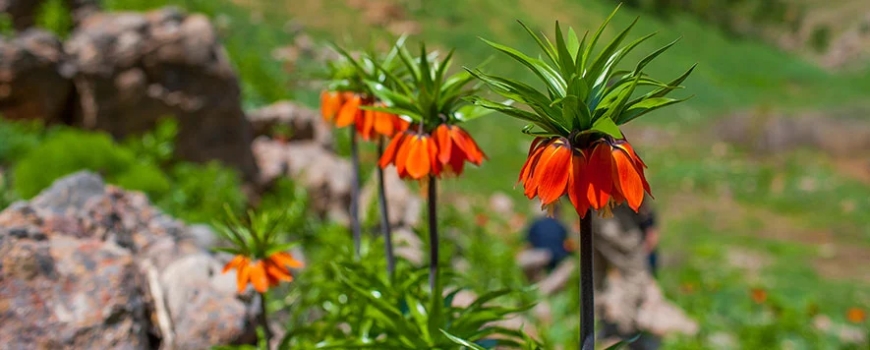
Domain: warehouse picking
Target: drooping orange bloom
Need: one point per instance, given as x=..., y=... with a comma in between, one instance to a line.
x=263, y=274
x=340, y=108
x=455, y=147
x=759, y=296
x=856, y=315
x=369, y=124
x=415, y=155
x=606, y=173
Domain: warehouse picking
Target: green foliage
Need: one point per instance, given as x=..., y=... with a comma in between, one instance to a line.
x=67, y=151
x=6, y=27
x=581, y=94
x=156, y=146
x=200, y=192
x=256, y=236
x=19, y=137
x=55, y=16
x=820, y=38
x=426, y=94
x=403, y=314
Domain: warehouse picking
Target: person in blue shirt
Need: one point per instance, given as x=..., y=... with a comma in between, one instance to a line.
x=548, y=233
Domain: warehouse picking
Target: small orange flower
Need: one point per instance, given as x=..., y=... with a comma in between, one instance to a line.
x=369, y=124
x=606, y=173
x=455, y=147
x=415, y=155
x=856, y=315
x=340, y=108
x=759, y=295
x=263, y=274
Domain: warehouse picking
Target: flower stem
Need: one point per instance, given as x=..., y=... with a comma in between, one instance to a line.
x=386, y=230
x=354, y=195
x=433, y=234
x=264, y=320
x=587, y=302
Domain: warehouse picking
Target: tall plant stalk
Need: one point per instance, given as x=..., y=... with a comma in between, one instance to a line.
x=354, y=195
x=386, y=230
x=587, y=301
x=264, y=320
x=433, y=233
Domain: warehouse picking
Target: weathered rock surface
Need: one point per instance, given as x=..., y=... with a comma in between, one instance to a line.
x=89, y=266
x=302, y=123
x=133, y=69
x=34, y=78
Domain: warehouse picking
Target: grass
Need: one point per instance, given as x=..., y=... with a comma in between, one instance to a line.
x=786, y=208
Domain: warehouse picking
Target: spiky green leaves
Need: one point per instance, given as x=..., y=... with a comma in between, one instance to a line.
x=257, y=236
x=584, y=92
x=426, y=93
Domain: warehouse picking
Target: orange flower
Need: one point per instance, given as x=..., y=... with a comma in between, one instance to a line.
x=606, y=173
x=455, y=146
x=340, y=108
x=369, y=124
x=415, y=155
x=759, y=296
x=856, y=315
x=263, y=274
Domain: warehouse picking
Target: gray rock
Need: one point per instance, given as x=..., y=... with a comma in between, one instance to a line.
x=133, y=69
x=76, y=266
x=33, y=84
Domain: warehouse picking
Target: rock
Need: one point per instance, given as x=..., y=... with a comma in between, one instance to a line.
x=203, y=236
x=304, y=124
x=403, y=205
x=197, y=298
x=23, y=12
x=837, y=133
x=70, y=293
x=34, y=78
x=85, y=265
x=326, y=176
x=133, y=69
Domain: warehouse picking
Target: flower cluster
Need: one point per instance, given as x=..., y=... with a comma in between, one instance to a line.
x=418, y=155
x=579, y=149
x=262, y=273
x=345, y=108
x=605, y=173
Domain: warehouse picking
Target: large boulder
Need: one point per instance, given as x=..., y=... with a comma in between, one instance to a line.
x=89, y=266
x=34, y=78
x=133, y=69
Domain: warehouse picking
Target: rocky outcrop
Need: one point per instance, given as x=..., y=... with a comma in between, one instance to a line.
x=34, y=78
x=133, y=69
x=89, y=266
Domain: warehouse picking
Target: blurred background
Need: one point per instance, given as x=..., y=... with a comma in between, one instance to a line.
x=761, y=180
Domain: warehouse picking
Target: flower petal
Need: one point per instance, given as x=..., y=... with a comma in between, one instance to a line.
x=243, y=274
x=578, y=183
x=402, y=156
x=468, y=146
x=277, y=272
x=442, y=138
x=626, y=178
x=389, y=155
x=553, y=172
x=286, y=259
x=600, y=175
x=258, y=276
x=347, y=113
x=417, y=162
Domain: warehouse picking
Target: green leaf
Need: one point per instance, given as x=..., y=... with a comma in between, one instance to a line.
x=542, y=70
x=548, y=49
x=622, y=344
x=607, y=126
x=646, y=106
x=588, y=52
x=649, y=58
x=573, y=44
x=471, y=112
x=462, y=342
x=566, y=63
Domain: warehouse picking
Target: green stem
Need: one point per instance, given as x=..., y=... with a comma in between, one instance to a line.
x=587, y=302
x=354, y=195
x=264, y=320
x=433, y=233
x=386, y=230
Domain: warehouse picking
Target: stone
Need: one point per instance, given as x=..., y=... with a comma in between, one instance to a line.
x=133, y=69
x=89, y=266
x=23, y=12
x=303, y=124
x=35, y=78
